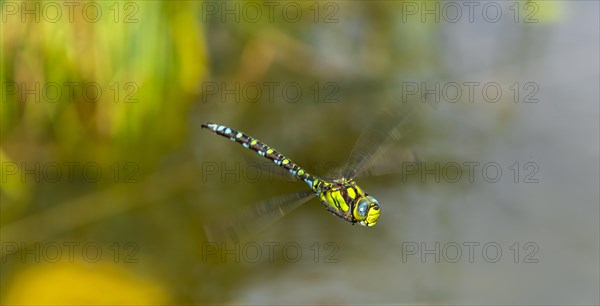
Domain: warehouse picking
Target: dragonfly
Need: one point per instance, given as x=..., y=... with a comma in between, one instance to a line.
x=340, y=194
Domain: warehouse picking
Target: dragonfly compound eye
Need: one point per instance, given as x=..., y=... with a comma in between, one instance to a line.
x=361, y=210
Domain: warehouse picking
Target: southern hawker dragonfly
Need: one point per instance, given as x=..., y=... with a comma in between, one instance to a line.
x=341, y=196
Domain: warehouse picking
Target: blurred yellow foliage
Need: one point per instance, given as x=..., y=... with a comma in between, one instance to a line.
x=95, y=90
x=78, y=283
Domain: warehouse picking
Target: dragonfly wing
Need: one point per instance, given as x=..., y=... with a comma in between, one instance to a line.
x=255, y=218
x=390, y=162
x=388, y=125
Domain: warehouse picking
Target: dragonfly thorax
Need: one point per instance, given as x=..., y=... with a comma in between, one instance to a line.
x=344, y=198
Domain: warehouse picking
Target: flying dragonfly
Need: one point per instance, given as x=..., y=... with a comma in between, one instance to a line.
x=340, y=195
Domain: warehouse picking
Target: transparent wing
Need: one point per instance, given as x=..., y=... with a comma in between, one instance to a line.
x=390, y=124
x=256, y=218
x=390, y=161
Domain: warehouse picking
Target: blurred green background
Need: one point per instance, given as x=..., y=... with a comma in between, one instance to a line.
x=102, y=152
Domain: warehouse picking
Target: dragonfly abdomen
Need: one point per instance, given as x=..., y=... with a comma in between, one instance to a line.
x=266, y=151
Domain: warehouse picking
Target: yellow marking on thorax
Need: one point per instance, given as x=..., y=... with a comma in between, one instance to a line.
x=335, y=195
x=359, y=191
x=351, y=193
x=338, y=196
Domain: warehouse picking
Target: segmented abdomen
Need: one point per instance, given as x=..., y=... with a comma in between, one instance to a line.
x=266, y=151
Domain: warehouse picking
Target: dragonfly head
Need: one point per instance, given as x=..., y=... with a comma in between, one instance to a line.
x=367, y=211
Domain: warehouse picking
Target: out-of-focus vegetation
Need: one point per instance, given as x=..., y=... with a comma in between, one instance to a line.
x=79, y=90
x=94, y=95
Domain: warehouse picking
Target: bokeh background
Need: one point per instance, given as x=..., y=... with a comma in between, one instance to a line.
x=107, y=178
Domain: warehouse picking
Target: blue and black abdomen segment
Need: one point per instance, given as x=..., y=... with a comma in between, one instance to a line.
x=266, y=151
